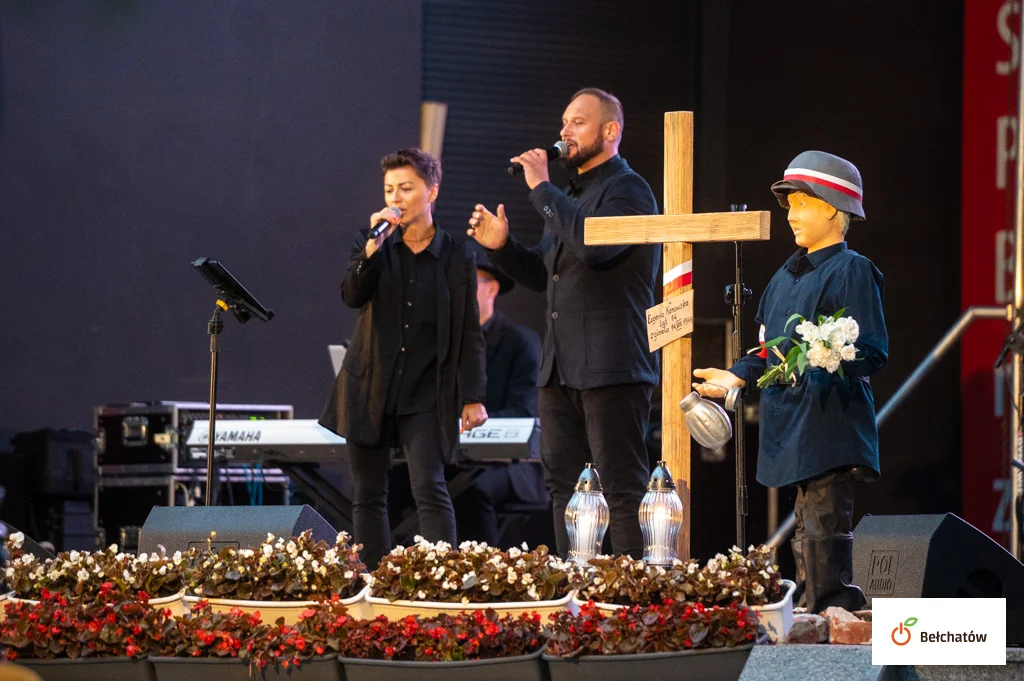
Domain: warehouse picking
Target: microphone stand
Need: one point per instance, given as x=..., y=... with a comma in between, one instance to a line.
x=736, y=294
x=213, y=328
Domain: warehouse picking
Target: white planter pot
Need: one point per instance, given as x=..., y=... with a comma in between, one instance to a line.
x=777, y=618
x=173, y=603
x=270, y=611
x=395, y=610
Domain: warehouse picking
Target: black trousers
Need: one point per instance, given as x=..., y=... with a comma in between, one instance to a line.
x=605, y=426
x=494, y=486
x=420, y=439
x=823, y=542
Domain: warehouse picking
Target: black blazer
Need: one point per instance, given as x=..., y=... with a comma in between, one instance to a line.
x=597, y=296
x=513, y=358
x=355, y=409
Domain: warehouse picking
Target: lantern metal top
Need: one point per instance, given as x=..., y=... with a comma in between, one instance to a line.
x=589, y=480
x=661, y=479
x=689, y=401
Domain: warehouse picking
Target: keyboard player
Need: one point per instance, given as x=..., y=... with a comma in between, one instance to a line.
x=513, y=360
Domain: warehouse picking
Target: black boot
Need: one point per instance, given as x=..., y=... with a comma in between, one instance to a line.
x=829, y=564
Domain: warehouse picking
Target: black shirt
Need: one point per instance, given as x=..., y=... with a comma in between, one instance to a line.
x=413, y=386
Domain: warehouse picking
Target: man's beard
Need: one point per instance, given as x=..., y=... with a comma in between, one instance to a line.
x=584, y=154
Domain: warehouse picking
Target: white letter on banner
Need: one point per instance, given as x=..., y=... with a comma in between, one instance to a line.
x=1006, y=149
x=1005, y=68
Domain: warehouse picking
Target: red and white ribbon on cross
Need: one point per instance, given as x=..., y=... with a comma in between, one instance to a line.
x=676, y=278
x=825, y=180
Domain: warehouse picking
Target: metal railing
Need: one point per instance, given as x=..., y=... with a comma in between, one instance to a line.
x=972, y=314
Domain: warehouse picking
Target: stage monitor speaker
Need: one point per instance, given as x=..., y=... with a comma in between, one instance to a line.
x=937, y=556
x=178, y=528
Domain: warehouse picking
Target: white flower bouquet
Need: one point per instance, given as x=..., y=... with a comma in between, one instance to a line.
x=825, y=345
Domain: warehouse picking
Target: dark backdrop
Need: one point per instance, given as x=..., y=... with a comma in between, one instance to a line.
x=133, y=143
x=507, y=71
x=136, y=141
x=766, y=83
x=878, y=83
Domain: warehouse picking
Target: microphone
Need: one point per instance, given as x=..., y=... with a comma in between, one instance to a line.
x=557, y=150
x=383, y=225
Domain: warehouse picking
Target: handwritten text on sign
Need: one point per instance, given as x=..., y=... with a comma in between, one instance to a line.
x=670, y=320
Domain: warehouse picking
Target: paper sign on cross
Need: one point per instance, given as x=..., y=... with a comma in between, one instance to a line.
x=677, y=229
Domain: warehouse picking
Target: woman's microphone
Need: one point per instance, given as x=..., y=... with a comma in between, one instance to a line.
x=383, y=225
x=557, y=150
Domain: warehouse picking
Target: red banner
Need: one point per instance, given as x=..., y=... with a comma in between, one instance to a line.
x=991, y=59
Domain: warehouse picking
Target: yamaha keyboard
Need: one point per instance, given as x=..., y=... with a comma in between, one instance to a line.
x=306, y=441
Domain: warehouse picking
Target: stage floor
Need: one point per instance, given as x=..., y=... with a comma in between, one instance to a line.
x=825, y=662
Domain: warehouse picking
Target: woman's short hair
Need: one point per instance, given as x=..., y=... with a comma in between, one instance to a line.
x=426, y=167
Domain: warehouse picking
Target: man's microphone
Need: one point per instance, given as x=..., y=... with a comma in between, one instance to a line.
x=383, y=225
x=557, y=150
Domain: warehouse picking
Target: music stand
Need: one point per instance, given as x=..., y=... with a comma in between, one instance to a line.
x=231, y=296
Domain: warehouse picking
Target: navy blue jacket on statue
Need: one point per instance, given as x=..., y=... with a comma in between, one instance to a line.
x=825, y=421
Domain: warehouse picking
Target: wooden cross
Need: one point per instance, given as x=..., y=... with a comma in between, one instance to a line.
x=677, y=229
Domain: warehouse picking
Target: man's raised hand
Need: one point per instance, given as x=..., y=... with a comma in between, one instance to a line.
x=535, y=166
x=490, y=230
